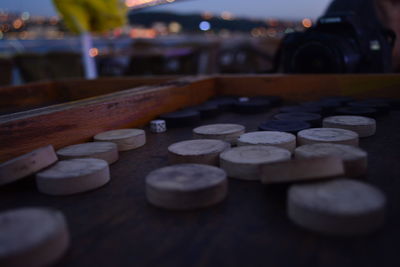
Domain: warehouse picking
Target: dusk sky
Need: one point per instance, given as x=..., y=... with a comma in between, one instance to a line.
x=247, y=8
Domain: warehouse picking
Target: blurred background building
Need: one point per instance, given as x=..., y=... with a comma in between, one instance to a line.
x=162, y=37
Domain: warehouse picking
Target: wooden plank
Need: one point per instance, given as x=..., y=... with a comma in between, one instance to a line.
x=72, y=90
x=310, y=87
x=79, y=121
x=41, y=94
x=17, y=98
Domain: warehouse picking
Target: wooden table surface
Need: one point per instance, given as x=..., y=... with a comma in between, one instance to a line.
x=115, y=226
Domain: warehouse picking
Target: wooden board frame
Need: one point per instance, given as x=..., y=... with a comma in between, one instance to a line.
x=78, y=121
x=42, y=94
x=311, y=87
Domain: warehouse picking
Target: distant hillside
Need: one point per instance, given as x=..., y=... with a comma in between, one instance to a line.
x=191, y=22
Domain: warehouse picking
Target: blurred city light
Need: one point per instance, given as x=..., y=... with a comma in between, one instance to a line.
x=272, y=33
x=207, y=15
x=23, y=35
x=307, y=23
x=143, y=33
x=148, y=25
x=205, y=25
x=93, y=52
x=174, y=27
x=4, y=28
x=17, y=24
x=25, y=15
x=54, y=20
x=227, y=15
x=256, y=32
x=289, y=30
x=272, y=22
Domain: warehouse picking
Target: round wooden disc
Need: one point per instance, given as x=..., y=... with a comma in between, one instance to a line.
x=32, y=237
x=244, y=162
x=186, y=186
x=224, y=131
x=27, y=164
x=125, y=139
x=327, y=135
x=354, y=158
x=269, y=138
x=364, y=126
x=299, y=170
x=337, y=207
x=202, y=151
x=73, y=176
x=100, y=150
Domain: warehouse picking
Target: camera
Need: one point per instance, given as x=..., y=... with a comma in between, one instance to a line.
x=338, y=43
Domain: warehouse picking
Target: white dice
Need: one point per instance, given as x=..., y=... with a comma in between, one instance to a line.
x=158, y=126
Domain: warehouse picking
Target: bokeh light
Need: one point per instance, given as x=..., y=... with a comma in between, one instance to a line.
x=307, y=23
x=204, y=26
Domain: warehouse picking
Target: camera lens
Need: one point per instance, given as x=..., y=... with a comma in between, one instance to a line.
x=315, y=58
x=323, y=53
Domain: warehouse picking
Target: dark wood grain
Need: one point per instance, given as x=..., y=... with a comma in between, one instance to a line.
x=311, y=87
x=23, y=97
x=42, y=94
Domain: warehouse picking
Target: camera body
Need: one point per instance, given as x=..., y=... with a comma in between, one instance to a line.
x=338, y=43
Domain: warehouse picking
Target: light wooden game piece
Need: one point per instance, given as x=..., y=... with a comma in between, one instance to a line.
x=186, y=186
x=27, y=164
x=224, y=131
x=364, y=126
x=201, y=151
x=100, y=150
x=327, y=135
x=354, y=158
x=244, y=162
x=73, y=176
x=32, y=237
x=337, y=207
x=125, y=139
x=269, y=138
x=301, y=170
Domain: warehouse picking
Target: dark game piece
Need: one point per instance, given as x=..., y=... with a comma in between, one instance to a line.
x=182, y=118
x=327, y=106
x=252, y=106
x=380, y=105
x=356, y=111
x=273, y=99
x=289, y=126
x=208, y=110
x=341, y=99
x=225, y=103
x=288, y=109
x=312, y=118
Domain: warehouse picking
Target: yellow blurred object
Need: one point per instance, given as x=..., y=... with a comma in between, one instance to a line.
x=92, y=15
